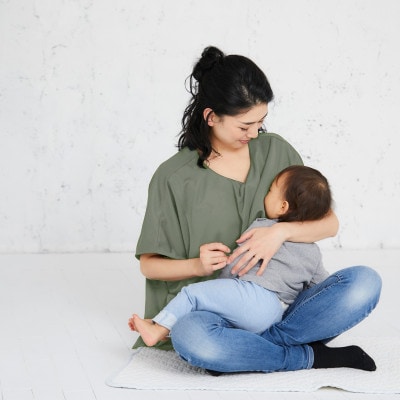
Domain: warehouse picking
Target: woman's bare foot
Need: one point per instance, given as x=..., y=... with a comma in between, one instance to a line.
x=150, y=332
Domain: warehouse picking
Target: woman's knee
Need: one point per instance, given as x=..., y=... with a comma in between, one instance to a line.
x=365, y=285
x=192, y=337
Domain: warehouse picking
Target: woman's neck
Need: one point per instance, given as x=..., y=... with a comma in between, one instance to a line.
x=232, y=164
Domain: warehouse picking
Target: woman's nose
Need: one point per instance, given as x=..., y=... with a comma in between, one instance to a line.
x=252, y=132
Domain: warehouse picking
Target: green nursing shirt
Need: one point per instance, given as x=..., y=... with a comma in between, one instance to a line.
x=189, y=206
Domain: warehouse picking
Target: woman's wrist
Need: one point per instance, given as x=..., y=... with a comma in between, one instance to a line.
x=283, y=231
x=198, y=269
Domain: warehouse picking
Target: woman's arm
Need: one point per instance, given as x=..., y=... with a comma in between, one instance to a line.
x=311, y=231
x=263, y=243
x=212, y=257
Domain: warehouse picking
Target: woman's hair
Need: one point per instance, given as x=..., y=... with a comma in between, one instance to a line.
x=229, y=85
x=307, y=192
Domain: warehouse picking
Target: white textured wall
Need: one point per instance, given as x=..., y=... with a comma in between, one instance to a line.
x=92, y=93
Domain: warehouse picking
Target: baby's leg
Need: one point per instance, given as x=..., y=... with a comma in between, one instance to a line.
x=243, y=304
x=150, y=332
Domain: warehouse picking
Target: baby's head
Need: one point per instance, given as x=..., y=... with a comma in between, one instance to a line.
x=298, y=193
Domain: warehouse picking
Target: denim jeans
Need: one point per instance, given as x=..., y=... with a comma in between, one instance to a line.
x=242, y=304
x=205, y=339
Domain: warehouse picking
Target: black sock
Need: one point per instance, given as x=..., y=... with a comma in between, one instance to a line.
x=335, y=357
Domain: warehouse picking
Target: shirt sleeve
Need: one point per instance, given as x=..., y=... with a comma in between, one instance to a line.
x=161, y=230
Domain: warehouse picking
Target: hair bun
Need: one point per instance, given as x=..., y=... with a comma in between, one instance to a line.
x=210, y=56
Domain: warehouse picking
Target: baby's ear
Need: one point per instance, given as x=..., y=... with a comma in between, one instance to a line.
x=284, y=207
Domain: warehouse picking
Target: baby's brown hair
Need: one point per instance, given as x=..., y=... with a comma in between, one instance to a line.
x=307, y=191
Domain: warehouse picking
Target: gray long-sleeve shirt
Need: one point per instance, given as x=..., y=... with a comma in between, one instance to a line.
x=292, y=269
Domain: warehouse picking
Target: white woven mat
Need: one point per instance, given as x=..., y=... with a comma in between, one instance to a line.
x=151, y=369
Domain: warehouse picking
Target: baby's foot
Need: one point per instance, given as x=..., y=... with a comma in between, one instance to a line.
x=150, y=332
x=131, y=324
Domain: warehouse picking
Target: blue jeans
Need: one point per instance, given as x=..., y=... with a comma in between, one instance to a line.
x=242, y=304
x=206, y=340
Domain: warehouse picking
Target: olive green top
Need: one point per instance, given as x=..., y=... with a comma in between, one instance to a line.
x=189, y=206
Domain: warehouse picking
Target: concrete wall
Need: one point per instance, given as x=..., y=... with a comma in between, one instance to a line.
x=92, y=93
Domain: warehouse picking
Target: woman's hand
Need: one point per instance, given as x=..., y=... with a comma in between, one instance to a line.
x=213, y=256
x=259, y=244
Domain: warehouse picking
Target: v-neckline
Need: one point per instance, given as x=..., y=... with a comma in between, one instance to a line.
x=233, y=179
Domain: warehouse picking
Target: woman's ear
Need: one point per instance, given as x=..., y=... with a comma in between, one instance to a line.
x=209, y=115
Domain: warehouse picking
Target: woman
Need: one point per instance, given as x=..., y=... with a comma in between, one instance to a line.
x=204, y=197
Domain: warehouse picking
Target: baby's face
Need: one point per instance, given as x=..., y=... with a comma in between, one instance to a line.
x=274, y=200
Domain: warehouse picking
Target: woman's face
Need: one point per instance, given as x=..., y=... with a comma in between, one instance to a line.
x=234, y=132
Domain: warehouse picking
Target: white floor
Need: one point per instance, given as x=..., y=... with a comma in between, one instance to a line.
x=63, y=325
